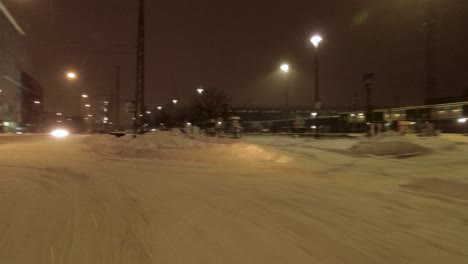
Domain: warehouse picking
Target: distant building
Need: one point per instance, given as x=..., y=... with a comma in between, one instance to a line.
x=21, y=96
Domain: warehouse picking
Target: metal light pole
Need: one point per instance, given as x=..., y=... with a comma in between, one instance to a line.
x=140, y=71
x=72, y=79
x=117, y=99
x=316, y=39
x=285, y=69
x=429, y=26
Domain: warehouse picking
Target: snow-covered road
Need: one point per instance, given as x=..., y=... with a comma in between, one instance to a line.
x=62, y=203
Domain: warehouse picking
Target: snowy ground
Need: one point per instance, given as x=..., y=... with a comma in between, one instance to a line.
x=168, y=198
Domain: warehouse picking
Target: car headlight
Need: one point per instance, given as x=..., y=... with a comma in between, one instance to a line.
x=60, y=133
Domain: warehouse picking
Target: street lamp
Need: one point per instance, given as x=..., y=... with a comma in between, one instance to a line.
x=71, y=75
x=200, y=90
x=84, y=95
x=159, y=108
x=37, y=102
x=315, y=40
x=285, y=69
x=175, y=101
x=87, y=105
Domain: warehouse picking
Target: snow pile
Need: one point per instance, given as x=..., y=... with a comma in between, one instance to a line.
x=440, y=186
x=394, y=145
x=175, y=145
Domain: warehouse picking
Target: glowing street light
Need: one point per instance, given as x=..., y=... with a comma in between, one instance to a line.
x=316, y=39
x=200, y=90
x=285, y=68
x=159, y=108
x=59, y=114
x=87, y=105
x=84, y=95
x=314, y=114
x=71, y=75
x=148, y=112
x=37, y=102
x=175, y=101
x=462, y=120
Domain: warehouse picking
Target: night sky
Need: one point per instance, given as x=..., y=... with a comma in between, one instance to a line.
x=239, y=45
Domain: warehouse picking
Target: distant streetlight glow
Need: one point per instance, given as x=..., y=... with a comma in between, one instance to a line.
x=37, y=102
x=314, y=114
x=285, y=68
x=316, y=39
x=84, y=95
x=148, y=112
x=200, y=90
x=59, y=114
x=71, y=75
x=462, y=120
x=159, y=108
x=87, y=105
x=175, y=101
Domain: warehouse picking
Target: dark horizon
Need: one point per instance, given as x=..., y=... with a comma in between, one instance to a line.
x=238, y=47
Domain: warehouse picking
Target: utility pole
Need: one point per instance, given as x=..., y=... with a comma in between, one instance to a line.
x=140, y=71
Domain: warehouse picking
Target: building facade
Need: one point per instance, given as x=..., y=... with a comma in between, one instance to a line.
x=20, y=94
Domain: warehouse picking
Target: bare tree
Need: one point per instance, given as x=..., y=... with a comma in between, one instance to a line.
x=211, y=104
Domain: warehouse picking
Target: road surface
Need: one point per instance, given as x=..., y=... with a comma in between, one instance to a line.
x=61, y=203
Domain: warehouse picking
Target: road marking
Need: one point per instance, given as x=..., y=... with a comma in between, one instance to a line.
x=94, y=220
x=52, y=254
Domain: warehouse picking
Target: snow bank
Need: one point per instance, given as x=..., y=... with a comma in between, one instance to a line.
x=176, y=145
x=440, y=186
x=394, y=145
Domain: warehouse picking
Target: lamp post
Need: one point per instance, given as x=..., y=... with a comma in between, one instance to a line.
x=200, y=91
x=71, y=77
x=285, y=69
x=315, y=40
